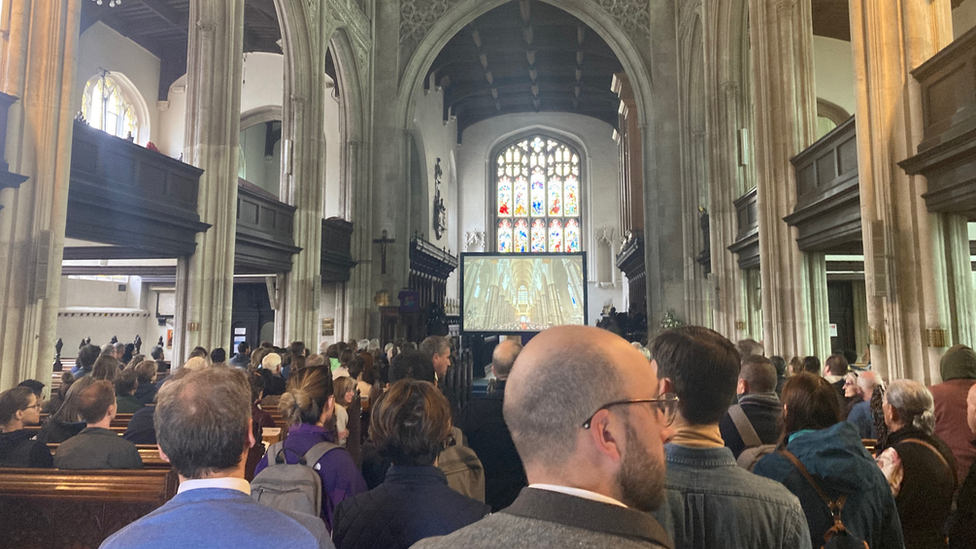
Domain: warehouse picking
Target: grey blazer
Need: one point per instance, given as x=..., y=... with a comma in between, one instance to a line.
x=541, y=519
x=97, y=448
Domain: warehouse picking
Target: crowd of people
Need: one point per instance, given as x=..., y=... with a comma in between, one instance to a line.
x=585, y=440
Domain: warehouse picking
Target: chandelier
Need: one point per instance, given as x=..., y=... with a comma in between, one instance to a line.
x=111, y=3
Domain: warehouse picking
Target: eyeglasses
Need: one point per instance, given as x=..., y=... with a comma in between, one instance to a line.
x=666, y=405
x=38, y=405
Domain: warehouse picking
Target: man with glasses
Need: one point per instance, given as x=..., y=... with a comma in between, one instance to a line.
x=710, y=501
x=587, y=420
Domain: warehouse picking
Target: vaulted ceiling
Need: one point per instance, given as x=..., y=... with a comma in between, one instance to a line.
x=526, y=56
x=161, y=27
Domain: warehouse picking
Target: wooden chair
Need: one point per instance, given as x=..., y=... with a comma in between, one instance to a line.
x=53, y=509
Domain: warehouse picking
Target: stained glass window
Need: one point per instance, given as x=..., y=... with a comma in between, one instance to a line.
x=105, y=107
x=571, y=196
x=555, y=236
x=504, y=236
x=521, y=236
x=521, y=197
x=505, y=197
x=571, y=235
x=538, y=204
x=538, y=235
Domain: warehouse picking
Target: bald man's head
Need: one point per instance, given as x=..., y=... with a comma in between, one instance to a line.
x=867, y=381
x=560, y=378
x=503, y=358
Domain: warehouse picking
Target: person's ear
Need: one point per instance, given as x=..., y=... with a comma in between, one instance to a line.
x=162, y=454
x=664, y=385
x=250, y=434
x=605, y=435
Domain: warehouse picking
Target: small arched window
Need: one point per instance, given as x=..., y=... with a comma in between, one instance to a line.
x=105, y=107
x=537, y=197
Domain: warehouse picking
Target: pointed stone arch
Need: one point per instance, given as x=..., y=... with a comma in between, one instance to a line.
x=647, y=49
x=355, y=193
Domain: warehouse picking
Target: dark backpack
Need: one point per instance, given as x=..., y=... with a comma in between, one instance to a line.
x=291, y=487
x=754, y=448
x=837, y=537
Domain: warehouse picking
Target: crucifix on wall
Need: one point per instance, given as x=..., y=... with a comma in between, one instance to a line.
x=383, y=243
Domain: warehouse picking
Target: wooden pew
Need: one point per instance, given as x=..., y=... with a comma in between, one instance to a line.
x=52, y=509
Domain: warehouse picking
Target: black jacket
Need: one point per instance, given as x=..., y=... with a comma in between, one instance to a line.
x=141, y=429
x=413, y=503
x=962, y=534
x=484, y=426
x=925, y=499
x=18, y=450
x=763, y=411
x=56, y=431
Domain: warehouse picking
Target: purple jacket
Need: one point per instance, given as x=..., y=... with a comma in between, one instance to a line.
x=340, y=477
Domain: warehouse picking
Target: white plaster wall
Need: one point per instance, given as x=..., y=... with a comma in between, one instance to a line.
x=332, y=204
x=261, y=170
x=172, y=120
x=264, y=80
x=102, y=47
x=964, y=18
x=833, y=62
x=601, y=197
x=104, y=306
x=264, y=83
x=439, y=140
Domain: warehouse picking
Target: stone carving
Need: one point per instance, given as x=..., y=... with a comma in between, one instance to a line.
x=350, y=16
x=440, y=211
x=474, y=241
x=418, y=16
x=633, y=15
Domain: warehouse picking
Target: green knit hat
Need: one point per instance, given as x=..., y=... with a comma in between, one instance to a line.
x=959, y=362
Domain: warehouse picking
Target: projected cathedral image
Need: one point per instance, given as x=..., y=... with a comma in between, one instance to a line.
x=504, y=293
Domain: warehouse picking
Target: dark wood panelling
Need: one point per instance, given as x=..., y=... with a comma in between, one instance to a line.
x=126, y=195
x=947, y=154
x=827, y=214
x=630, y=260
x=265, y=243
x=337, y=262
x=746, y=244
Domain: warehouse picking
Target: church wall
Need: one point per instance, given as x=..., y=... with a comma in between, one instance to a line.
x=103, y=47
x=601, y=198
x=264, y=81
x=263, y=171
x=964, y=18
x=439, y=140
x=833, y=64
x=172, y=120
x=332, y=202
x=97, y=309
x=263, y=87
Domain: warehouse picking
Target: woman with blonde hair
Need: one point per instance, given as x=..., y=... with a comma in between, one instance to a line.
x=308, y=406
x=345, y=391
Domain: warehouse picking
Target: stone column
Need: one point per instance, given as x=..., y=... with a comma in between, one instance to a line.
x=904, y=252
x=722, y=140
x=39, y=63
x=304, y=176
x=785, y=121
x=358, y=299
x=213, y=121
x=663, y=216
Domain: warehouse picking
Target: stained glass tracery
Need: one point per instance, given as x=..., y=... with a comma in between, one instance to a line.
x=537, y=197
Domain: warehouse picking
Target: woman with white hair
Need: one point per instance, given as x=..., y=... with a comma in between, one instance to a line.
x=918, y=465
